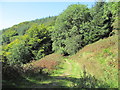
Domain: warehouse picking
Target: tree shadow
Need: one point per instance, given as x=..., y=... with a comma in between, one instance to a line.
x=19, y=81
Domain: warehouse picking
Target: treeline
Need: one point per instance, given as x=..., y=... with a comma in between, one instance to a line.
x=67, y=33
x=78, y=26
x=27, y=41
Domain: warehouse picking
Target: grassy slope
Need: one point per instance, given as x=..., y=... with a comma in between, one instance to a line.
x=101, y=59
x=98, y=59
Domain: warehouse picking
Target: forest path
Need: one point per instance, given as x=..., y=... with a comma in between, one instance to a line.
x=67, y=71
x=65, y=76
x=71, y=68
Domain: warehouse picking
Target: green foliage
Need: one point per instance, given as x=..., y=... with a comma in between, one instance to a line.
x=47, y=21
x=40, y=54
x=66, y=36
x=39, y=40
x=7, y=35
x=22, y=27
x=76, y=27
x=35, y=44
x=102, y=20
x=82, y=26
x=17, y=53
x=113, y=7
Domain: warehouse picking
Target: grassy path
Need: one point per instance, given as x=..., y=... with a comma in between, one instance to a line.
x=67, y=71
x=65, y=76
x=68, y=75
x=70, y=68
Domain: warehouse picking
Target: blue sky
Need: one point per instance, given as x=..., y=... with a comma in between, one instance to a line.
x=12, y=13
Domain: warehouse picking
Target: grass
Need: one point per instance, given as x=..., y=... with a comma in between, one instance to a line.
x=101, y=60
x=68, y=68
x=94, y=66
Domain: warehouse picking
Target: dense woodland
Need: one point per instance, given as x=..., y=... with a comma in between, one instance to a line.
x=66, y=34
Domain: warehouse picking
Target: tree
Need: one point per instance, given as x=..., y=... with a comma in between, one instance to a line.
x=17, y=53
x=67, y=35
x=101, y=22
x=39, y=40
x=7, y=35
x=113, y=8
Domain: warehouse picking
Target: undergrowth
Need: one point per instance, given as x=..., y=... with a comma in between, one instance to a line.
x=89, y=68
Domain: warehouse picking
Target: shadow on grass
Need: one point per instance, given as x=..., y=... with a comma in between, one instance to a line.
x=34, y=81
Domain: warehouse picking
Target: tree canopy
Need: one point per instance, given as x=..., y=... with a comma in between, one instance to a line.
x=66, y=33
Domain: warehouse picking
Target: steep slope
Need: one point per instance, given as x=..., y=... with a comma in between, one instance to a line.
x=101, y=59
x=98, y=59
x=94, y=66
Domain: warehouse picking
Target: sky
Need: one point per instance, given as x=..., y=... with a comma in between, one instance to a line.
x=12, y=13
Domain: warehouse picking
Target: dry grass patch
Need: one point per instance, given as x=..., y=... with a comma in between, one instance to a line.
x=49, y=62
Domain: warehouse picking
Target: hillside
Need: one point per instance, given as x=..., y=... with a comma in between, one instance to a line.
x=78, y=50
x=9, y=34
x=99, y=64
x=99, y=59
